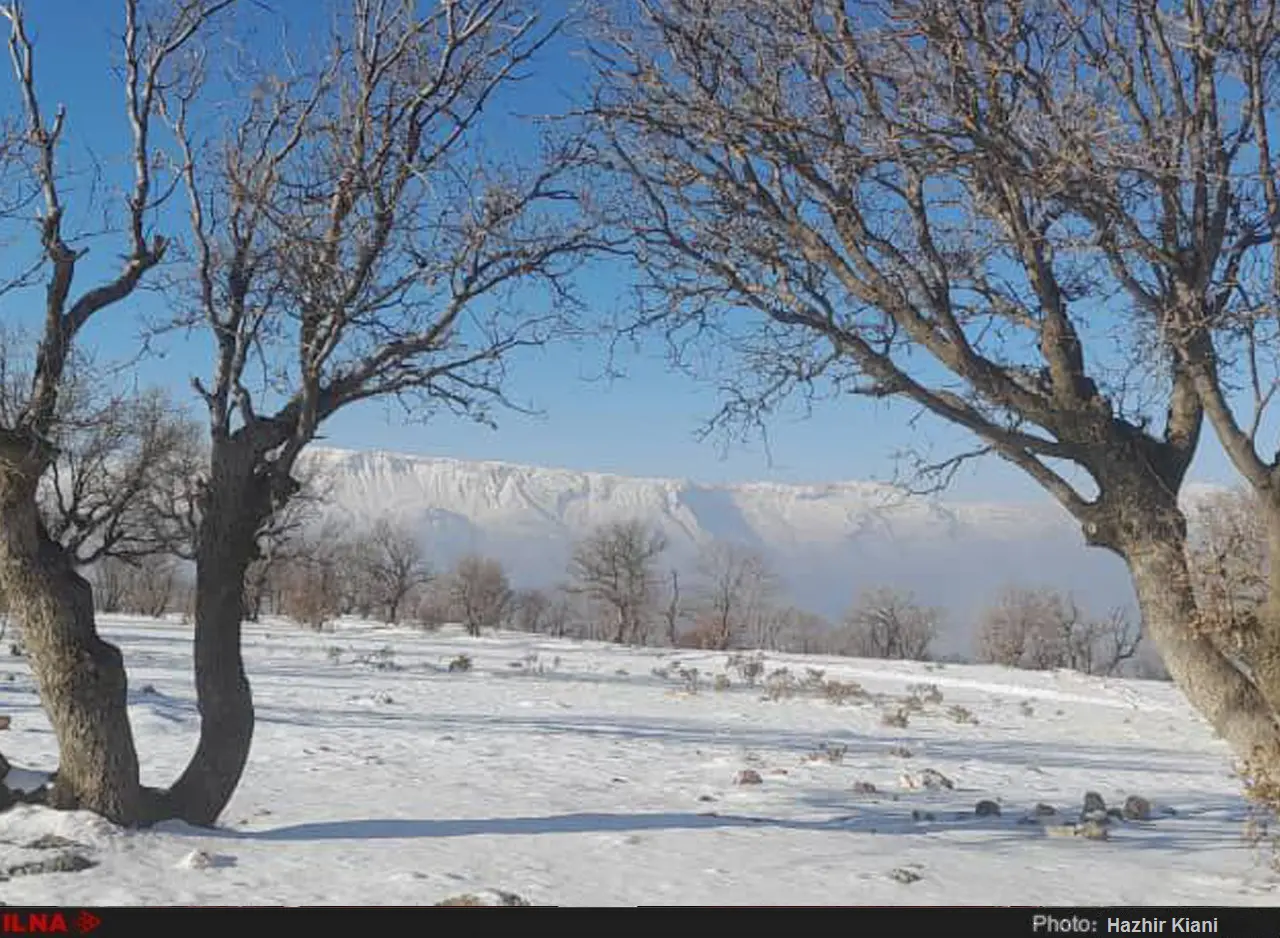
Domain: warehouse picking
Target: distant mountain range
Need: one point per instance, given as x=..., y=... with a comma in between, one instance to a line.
x=826, y=542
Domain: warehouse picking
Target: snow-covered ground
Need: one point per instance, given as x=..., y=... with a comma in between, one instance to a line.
x=583, y=774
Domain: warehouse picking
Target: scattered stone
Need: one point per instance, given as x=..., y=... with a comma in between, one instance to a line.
x=148, y=690
x=902, y=752
x=905, y=876
x=748, y=777
x=1093, y=830
x=52, y=842
x=706, y=797
x=1044, y=810
x=986, y=809
x=864, y=788
x=202, y=860
x=62, y=863
x=1136, y=808
x=930, y=779
x=1089, y=830
x=1094, y=807
x=923, y=816
x=489, y=897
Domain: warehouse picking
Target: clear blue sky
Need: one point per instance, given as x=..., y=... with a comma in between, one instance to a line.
x=643, y=424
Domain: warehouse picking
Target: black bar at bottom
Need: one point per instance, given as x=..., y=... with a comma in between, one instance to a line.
x=1234, y=922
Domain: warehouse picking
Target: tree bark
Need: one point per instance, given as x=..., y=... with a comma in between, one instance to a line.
x=1232, y=703
x=81, y=678
x=233, y=506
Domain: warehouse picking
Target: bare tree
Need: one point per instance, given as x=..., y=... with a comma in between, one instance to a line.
x=1038, y=222
x=150, y=584
x=279, y=537
x=1045, y=628
x=801, y=631
x=81, y=677
x=613, y=568
x=550, y=612
x=393, y=566
x=887, y=623
x=734, y=592
x=110, y=581
x=479, y=593
x=1229, y=559
x=353, y=239
x=530, y=609
x=314, y=577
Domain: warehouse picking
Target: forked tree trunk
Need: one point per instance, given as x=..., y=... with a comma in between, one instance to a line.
x=82, y=680
x=230, y=513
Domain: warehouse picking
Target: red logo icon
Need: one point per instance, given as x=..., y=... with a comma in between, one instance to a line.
x=87, y=922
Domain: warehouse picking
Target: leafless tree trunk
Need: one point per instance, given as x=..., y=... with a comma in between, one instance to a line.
x=613, y=569
x=968, y=206
x=81, y=677
x=674, y=611
x=348, y=231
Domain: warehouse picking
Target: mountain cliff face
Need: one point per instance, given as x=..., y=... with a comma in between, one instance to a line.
x=825, y=541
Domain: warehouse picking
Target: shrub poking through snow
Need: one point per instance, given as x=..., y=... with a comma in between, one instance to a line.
x=925, y=693
x=689, y=677
x=462, y=663
x=722, y=682
x=839, y=692
x=750, y=667
x=902, y=752
x=780, y=685
x=962, y=715
x=904, y=875
x=833, y=752
x=898, y=719
x=864, y=788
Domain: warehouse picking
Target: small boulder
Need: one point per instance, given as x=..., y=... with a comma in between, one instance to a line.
x=60, y=863
x=487, y=897
x=748, y=777
x=1044, y=810
x=986, y=808
x=1093, y=803
x=1136, y=808
x=1093, y=830
x=864, y=788
x=934, y=780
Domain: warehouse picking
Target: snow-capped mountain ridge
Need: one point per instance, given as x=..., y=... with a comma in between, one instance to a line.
x=825, y=540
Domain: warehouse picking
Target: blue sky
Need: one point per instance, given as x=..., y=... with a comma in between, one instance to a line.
x=644, y=423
